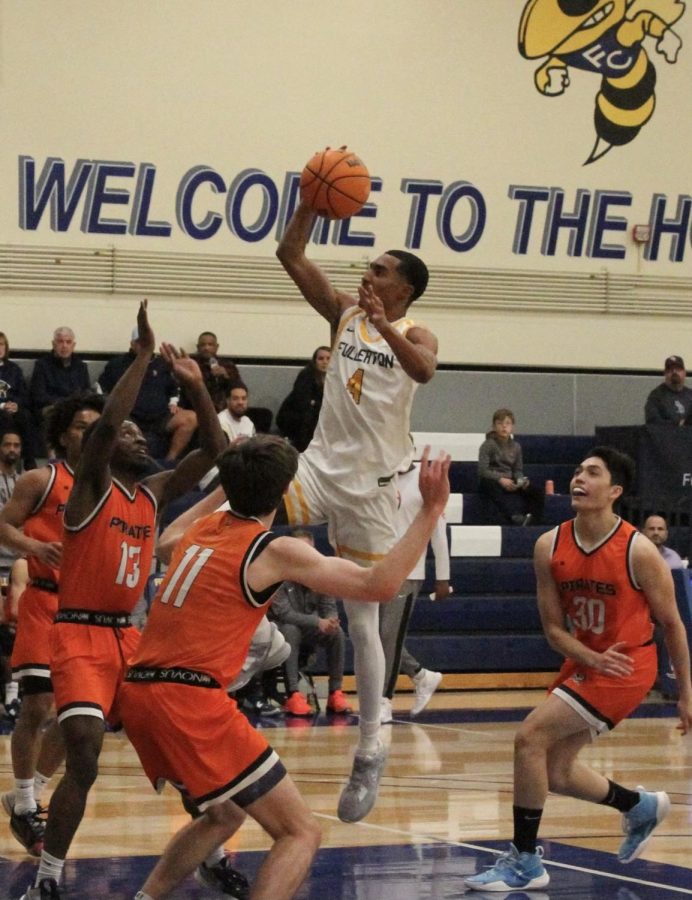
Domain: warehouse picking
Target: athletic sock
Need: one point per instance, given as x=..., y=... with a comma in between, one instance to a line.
x=526, y=823
x=49, y=867
x=40, y=784
x=11, y=691
x=24, y=800
x=140, y=895
x=214, y=857
x=368, y=658
x=620, y=798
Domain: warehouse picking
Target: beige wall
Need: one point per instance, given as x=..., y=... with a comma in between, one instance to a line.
x=424, y=89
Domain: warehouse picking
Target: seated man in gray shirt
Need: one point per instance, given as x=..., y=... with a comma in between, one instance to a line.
x=307, y=620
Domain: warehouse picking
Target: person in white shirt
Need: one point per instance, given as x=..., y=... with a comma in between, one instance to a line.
x=394, y=617
x=233, y=420
x=656, y=529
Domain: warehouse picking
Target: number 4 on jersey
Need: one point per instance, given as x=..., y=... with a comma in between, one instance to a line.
x=354, y=385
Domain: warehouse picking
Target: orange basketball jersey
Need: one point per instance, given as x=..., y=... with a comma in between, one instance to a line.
x=45, y=523
x=106, y=559
x=598, y=591
x=204, y=614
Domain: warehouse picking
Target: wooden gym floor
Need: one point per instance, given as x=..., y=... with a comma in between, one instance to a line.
x=444, y=804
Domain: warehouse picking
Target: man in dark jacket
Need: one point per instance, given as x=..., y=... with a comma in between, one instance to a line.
x=57, y=374
x=671, y=401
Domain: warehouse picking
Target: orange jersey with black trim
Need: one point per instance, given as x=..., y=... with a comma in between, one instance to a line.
x=106, y=560
x=204, y=613
x=45, y=523
x=598, y=591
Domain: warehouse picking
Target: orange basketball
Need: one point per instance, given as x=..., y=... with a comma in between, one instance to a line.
x=335, y=183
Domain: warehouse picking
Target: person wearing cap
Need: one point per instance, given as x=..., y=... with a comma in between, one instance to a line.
x=167, y=427
x=671, y=401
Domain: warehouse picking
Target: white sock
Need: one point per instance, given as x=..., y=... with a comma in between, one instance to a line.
x=368, y=663
x=49, y=867
x=40, y=784
x=24, y=801
x=140, y=895
x=11, y=691
x=215, y=857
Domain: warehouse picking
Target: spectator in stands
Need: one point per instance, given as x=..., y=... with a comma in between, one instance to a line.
x=656, y=529
x=671, y=401
x=167, y=427
x=57, y=374
x=308, y=620
x=394, y=616
x=10, y=452
x=233, y=420
x=218, y=374
x=300, y=410
x=17, y=580
x=14, y=403
x=501, y=476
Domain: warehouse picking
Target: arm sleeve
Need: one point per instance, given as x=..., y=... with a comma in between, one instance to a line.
x=440, y=549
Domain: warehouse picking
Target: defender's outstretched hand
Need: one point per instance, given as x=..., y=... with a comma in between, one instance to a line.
x=145, y=337
x=185, y=369
x=433, y=480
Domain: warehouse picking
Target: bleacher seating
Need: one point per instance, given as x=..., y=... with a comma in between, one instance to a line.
x=490, y=623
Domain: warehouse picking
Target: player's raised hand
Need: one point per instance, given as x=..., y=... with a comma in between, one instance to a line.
x=372, y=306
x=145, y=336
x=433, y=480
x=183, y=367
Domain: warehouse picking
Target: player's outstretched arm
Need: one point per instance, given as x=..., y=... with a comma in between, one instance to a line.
x=171, y=535
x=168, y=485
x=92, y=475
x=655, y=579
x=294, y=560
x=416, y=350
x=309, y=278
x=27, y=493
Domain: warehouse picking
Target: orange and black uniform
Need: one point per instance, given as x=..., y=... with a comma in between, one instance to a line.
x=105, y=564
x=31, y=653
x=603, y=605
x=174, y=705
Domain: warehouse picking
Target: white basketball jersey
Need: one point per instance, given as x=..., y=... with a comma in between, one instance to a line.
x=362, y=433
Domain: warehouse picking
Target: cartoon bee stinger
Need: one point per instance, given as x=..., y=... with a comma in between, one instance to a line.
x=605, y=37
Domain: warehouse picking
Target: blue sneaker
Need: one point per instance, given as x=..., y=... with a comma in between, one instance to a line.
x=512, y=871
x=639, y=823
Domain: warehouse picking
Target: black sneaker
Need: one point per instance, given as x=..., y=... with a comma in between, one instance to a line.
x=29, y=829
x=224, y=878
x=47, y=890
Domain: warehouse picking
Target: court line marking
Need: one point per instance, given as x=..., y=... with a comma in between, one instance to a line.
x=418, y=836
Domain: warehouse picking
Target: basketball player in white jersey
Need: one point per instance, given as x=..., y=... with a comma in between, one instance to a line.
x=346, y=477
